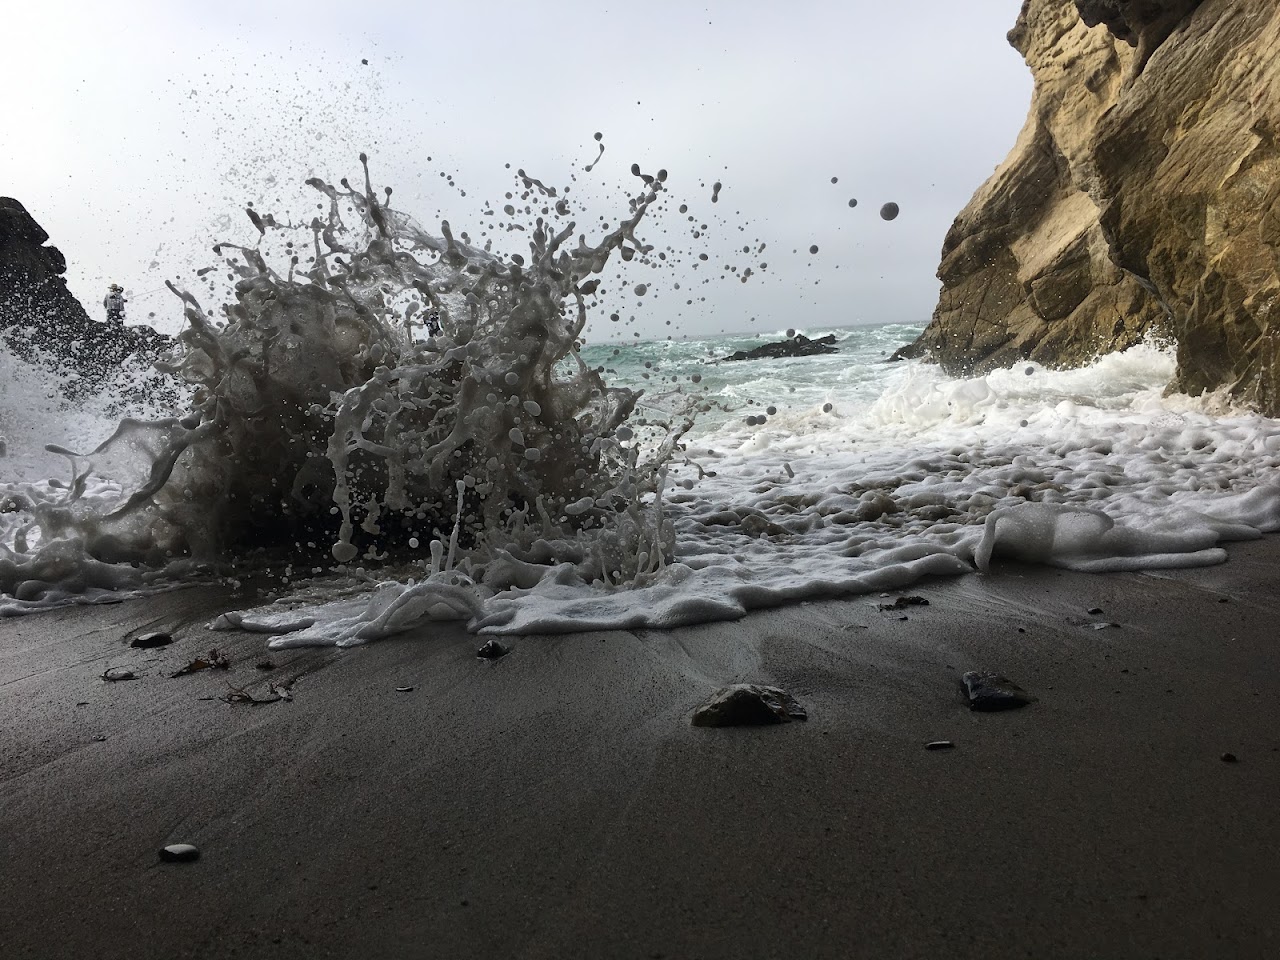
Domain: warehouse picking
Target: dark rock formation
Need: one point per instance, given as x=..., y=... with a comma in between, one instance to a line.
x=42, y=322
x=797, y=346
x=1142, y=195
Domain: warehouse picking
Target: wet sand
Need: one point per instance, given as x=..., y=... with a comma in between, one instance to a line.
x=557, y=802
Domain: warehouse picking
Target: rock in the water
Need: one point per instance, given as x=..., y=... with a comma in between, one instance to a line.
x=492, y=650
x=179, y=853
x=147, y=641
x=796, y=346
x=992, y=691
x=1143, y=195
x=748, y=704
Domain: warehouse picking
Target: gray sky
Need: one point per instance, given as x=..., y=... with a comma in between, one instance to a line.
x=136, y=132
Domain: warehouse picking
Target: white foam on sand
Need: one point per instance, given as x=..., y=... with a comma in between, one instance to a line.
x=1091, y=469
x=485, y=473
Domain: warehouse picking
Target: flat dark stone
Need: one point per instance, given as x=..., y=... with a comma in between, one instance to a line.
x=992, y=691
x=146, y=641
x=939, y=745
x=492, y=650
x=748, y=704
x=179, y=853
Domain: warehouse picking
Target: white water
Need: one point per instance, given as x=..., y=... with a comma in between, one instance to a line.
x=1091, y=469
x=490, y=475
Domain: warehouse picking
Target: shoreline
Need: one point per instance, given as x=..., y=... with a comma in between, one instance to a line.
x=557, y=802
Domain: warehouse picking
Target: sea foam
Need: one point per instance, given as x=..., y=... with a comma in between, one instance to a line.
x=489, y=474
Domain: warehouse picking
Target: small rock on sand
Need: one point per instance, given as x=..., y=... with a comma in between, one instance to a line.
x=492, y=650
x=748, y=704
x=148, y=641
x=939, y=745
x=992, y=691
x=114, y=674
x=179, y=853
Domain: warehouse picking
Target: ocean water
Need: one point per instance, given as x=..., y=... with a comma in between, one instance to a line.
x=514, y=473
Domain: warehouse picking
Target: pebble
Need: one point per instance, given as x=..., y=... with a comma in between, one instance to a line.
x=1230, y=758
x=492, y=650
x=113, y=674
x=404, y=689
x=1094, y=611
x=939, y=745
x=992, y=691
x=179, y=853
x=748, y=704
x=146, y=641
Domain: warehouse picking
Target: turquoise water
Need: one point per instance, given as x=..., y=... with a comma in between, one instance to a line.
x=853, y=377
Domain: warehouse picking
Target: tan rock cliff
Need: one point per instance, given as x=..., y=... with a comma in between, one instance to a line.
x=1143, y=194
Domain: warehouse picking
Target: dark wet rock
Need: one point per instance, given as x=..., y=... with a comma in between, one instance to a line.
x=42, y=322
x=404, y=689
x=179, y=853
x=939, y=745
x=797, y=346
x=1230, y=758
x=492, y=650
x=115, y=674
x=748, y=704
x=149, y=641
x=992, y=691
x=1094, y=611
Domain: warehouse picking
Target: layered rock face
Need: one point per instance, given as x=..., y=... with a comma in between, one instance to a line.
x=1143, y=194
x=39, y=318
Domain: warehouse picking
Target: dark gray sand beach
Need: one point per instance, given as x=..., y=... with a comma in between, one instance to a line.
x=558, y=803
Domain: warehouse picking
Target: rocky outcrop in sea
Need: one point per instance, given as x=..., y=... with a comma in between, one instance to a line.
x=1143, y=195
x=42, y=322
x=795, y=346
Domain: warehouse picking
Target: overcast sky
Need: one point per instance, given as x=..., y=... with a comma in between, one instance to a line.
x=136, y=133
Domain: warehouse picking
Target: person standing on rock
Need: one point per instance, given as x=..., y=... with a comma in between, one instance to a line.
x=114, y=302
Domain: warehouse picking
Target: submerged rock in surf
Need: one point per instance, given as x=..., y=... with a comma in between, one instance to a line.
x=493, y=650
x=748, y=704
x=994, y=691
